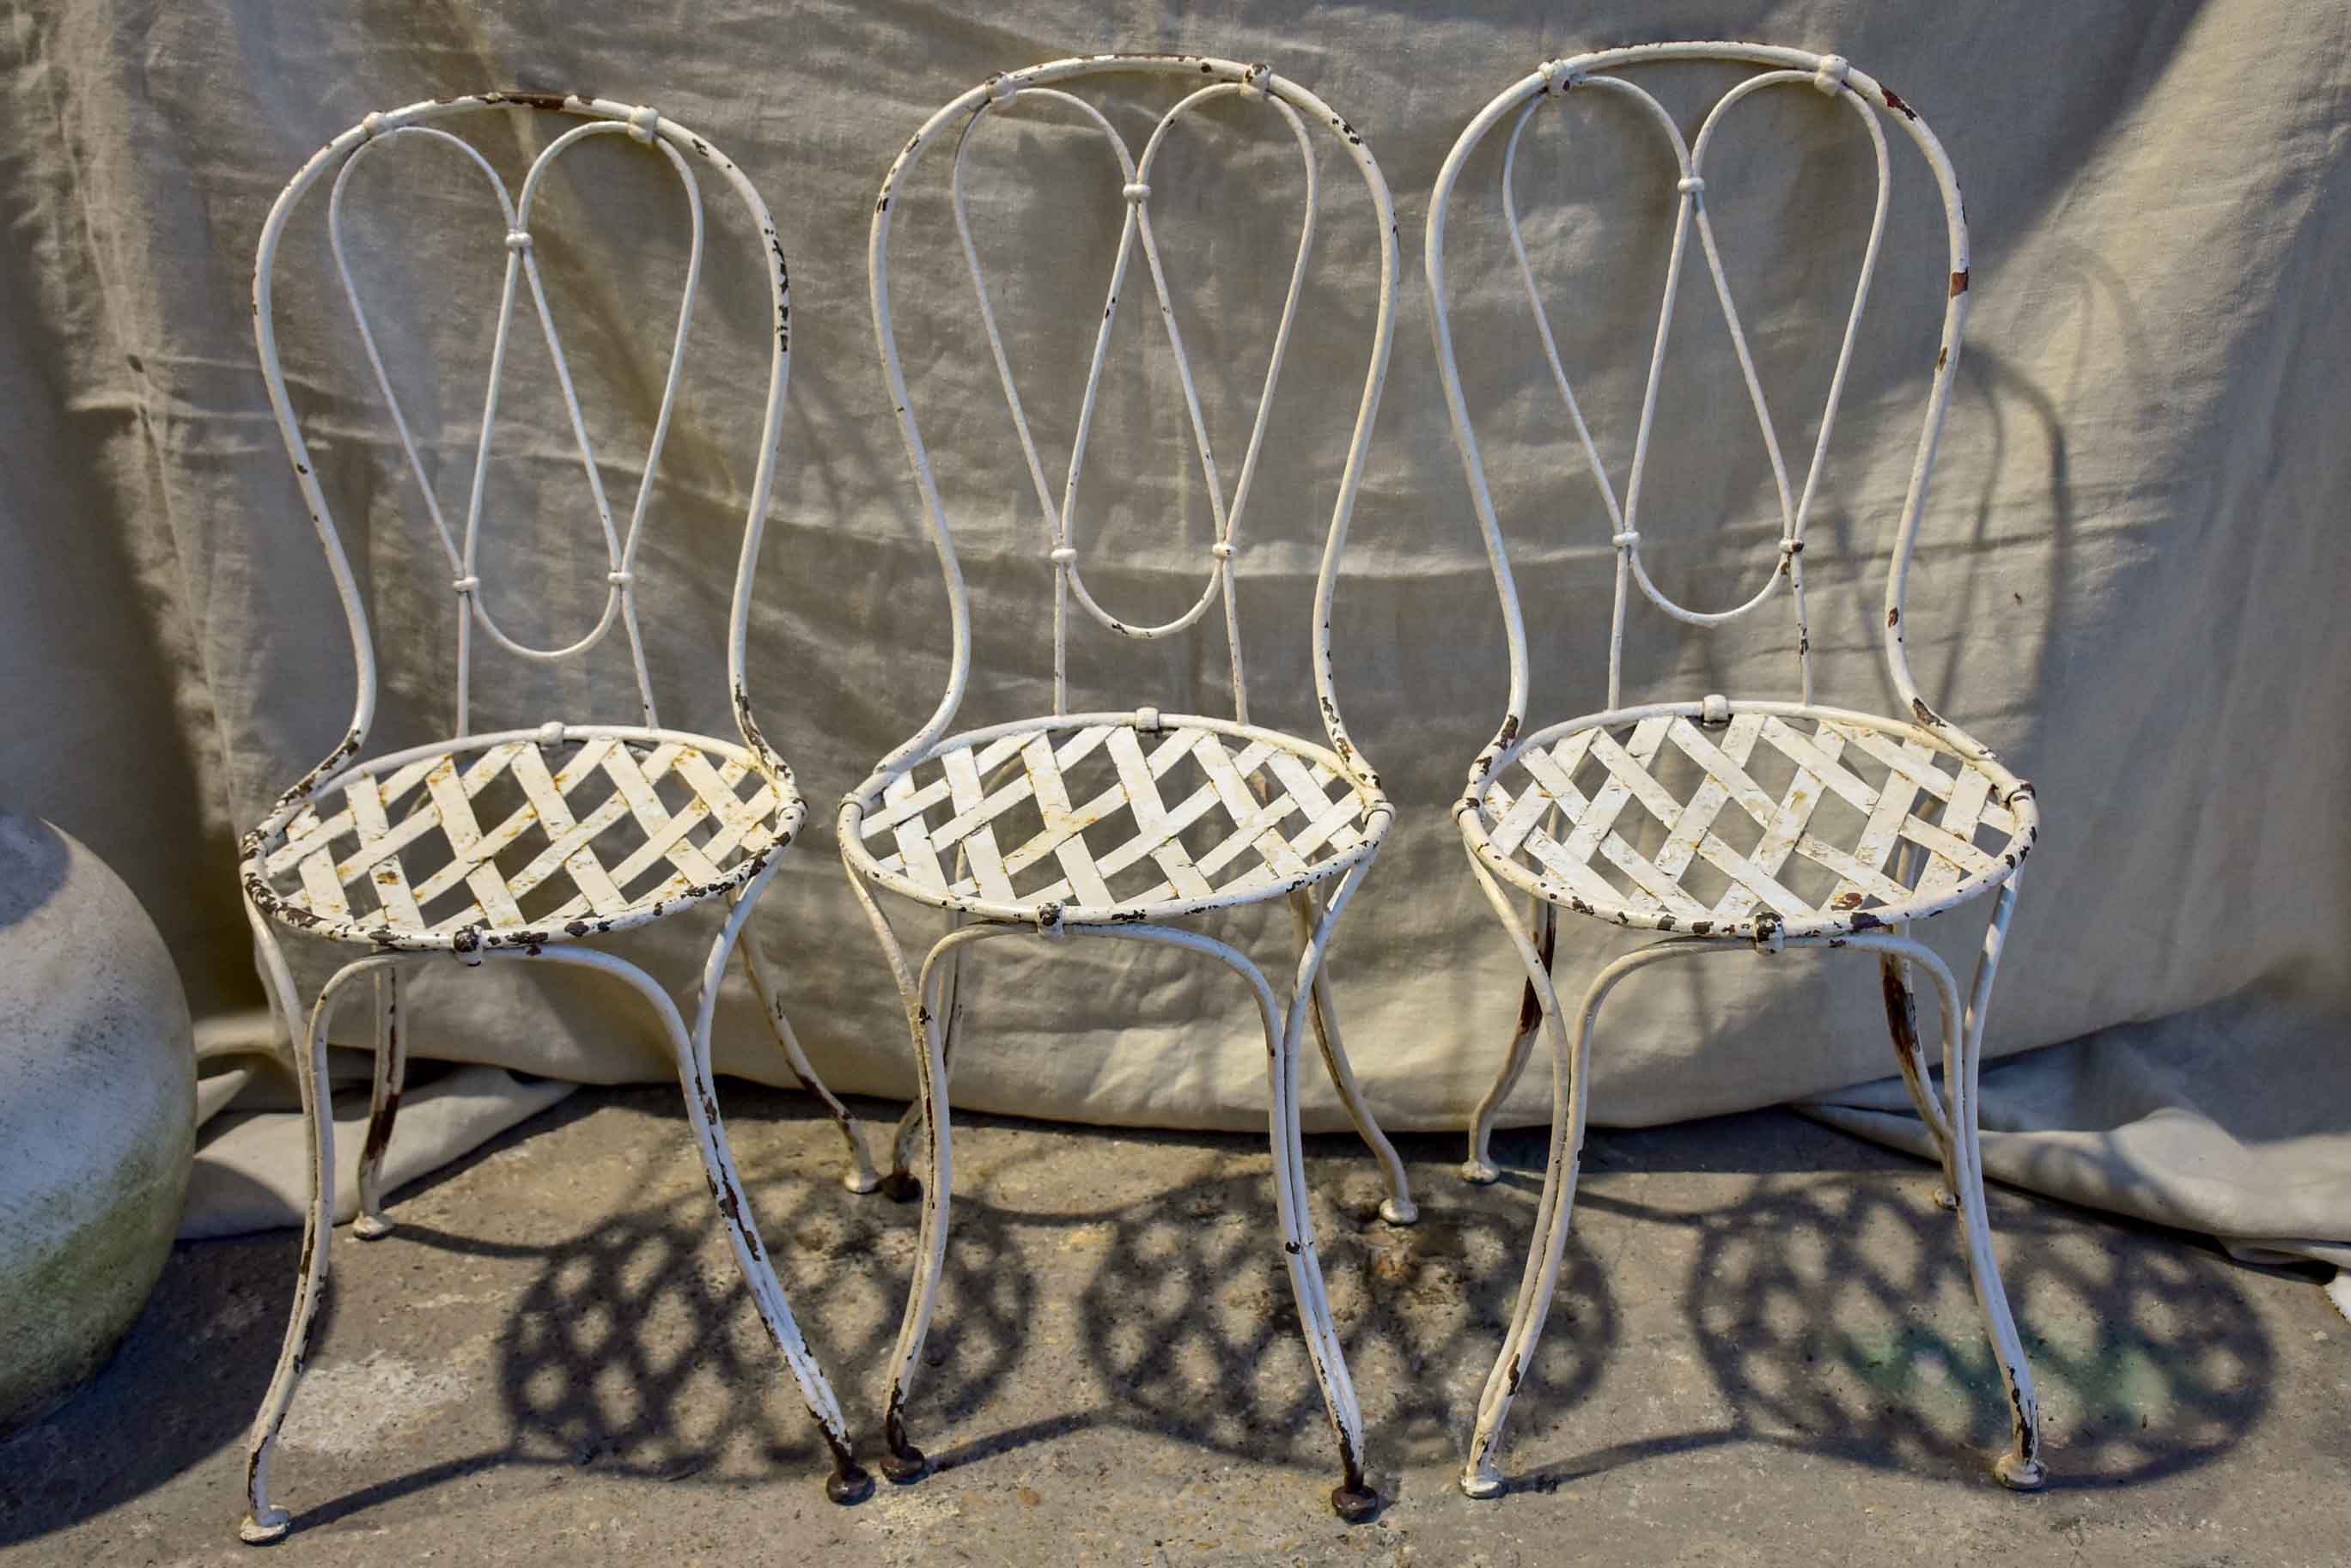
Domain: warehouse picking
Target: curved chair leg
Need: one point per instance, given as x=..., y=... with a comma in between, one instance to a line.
x=859, y=1177
x=904, y=1462
x=383, y=1103
x=1397, y=1208
x=263, y=1523
x=1902, y=1022
x=901, y=1184
x=1352, y=1499
x=1479, y=1167
x=2020, y=1467
x=848, y=1483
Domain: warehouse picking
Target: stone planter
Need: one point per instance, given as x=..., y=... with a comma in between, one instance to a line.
x=96, y=1114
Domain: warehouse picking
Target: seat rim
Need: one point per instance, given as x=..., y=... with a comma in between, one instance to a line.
x=2012, y=792
x=790, y=812
x=1378, y=816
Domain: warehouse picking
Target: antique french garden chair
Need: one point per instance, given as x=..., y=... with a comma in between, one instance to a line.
x=1119, y=824
x=1653, y=815
x=521, y=843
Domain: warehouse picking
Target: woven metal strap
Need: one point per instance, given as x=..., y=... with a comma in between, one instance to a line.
x=366, y=863
x=1918, y=802
x=1076, y=817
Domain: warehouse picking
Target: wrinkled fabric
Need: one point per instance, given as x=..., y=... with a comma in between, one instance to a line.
x=2128, y=579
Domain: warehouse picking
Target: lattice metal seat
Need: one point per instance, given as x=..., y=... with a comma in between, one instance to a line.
x=1115, y=818
x=523, y=839
x=1743, y=819
x=516, y=844
x=1725, y=822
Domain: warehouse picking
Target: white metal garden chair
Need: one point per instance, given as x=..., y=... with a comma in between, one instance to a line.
x=1117, y=824
x=519, y=844
x=1619, y=814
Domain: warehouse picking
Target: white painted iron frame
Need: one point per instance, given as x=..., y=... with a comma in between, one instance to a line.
x=928, y=994
x=1846, y=925
x=392, y=942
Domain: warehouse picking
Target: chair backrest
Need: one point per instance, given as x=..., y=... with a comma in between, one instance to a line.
x=1873, y=104
x=1289, y=107
x=424, y=124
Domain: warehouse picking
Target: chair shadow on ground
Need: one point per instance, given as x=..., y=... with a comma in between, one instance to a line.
x=1830, y=1315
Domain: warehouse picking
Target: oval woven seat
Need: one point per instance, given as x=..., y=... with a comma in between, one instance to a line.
x=1113, y=817
x=520, y=839
x=1780, y=817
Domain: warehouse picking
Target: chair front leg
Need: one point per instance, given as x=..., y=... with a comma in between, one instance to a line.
x=848, y=1483
x=383, y=1103
x=1397, y=1208
x=2020, y=1467
x=263, y=1522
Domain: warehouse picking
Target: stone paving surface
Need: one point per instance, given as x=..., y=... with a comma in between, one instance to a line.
x=1766, y=1353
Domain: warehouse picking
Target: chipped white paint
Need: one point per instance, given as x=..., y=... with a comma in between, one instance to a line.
x=1108, y=824
x=1557, y=814
x=519, y=844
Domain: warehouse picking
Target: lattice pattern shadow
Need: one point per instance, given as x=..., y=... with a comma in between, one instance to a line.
x=523, y=842
x=1113, y=817
x=1677, y=824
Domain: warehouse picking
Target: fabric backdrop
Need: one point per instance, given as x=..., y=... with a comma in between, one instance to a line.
x=2129, y=580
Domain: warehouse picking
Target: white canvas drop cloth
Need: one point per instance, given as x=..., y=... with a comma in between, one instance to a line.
x=2130, y=578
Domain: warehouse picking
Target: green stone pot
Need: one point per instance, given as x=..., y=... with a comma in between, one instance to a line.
x=98, y=1114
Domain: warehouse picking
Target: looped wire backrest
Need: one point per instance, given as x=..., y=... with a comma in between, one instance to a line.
x=416, y=124
x=1293, y=109
x=1833, y=76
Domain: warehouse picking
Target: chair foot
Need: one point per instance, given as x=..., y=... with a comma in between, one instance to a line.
x=1483, y=1483
x=1355, y=1502
x=905, y=1466
x=1944, y=1198
x=1396, y=1212
x=849, y=1486
x=1478, y=1173
x=861, y=1181
x=372, y=1226
x=261, y=1529
x=2018, y=1473
x=900, y=1187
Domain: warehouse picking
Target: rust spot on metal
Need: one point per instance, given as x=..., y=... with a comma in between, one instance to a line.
x=1894, y=617
x=1942, y=355
x=1895, y=103
x=1849, y=900
x=1958, y=282
x=1925, y=714
x=1863, y=920
x=1901, y=1008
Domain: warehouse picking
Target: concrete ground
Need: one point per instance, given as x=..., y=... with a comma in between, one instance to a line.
x=1767, y=1352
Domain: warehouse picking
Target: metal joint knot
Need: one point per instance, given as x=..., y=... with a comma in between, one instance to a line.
x=1691, y=185
x=1061, y=555
x=552, y=732
x=371, y=125
x=1049, y=923
x=1147, y=721
x=1627, y=540
x=1830, y=77
x=519, y=239
x=1002, y=89
x=1223, y=549
x=1137, y=193
x=1558, y=79
x=467, y=585
x=1715, y=711
x=620, y=579
x=1261, y=76
x=1791, y=546
x=1770, y=937
x=642, y=121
